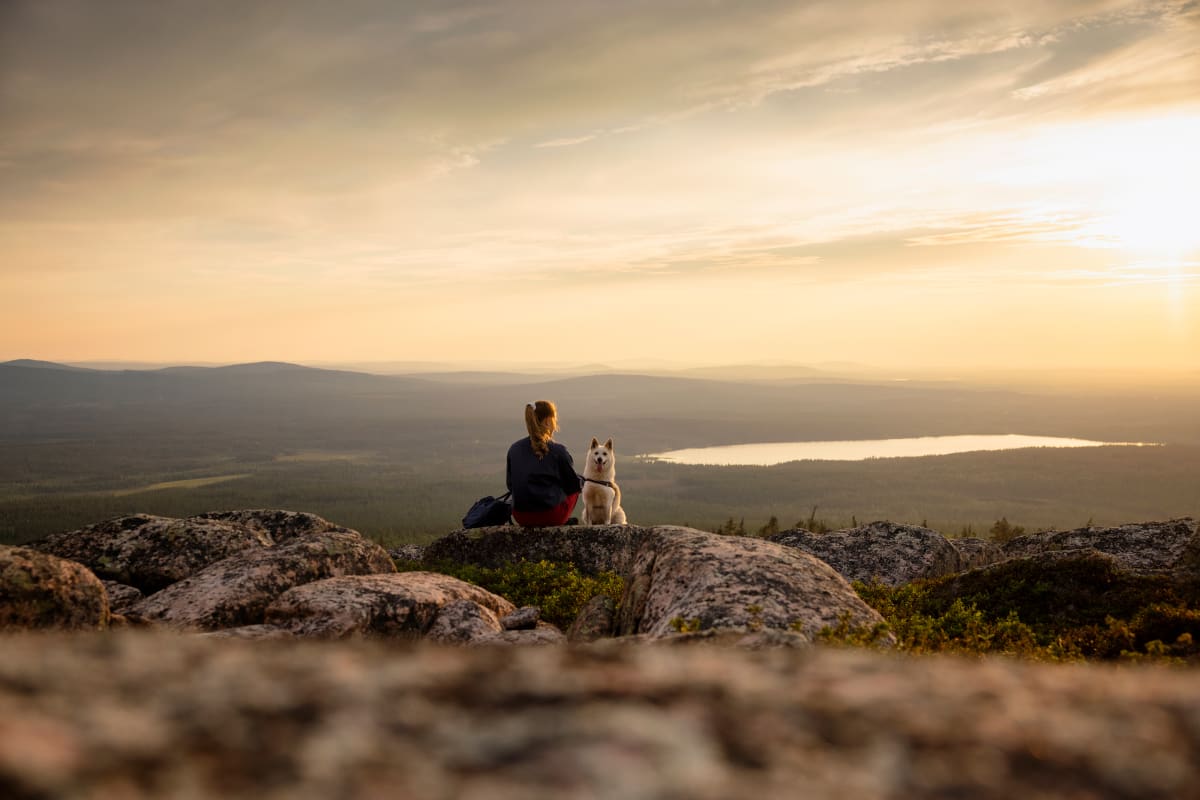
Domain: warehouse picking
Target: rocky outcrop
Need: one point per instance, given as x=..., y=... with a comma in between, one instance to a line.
x=525, y=618
x=237, y=590
x=461, y=622
x=677, y=579
x=974, y=553
x=149, y=552
x=887, y=552
x=279, y=524
x=1148, y=547
x=683, y=579
x=121, y=597
x=404, y=605
x=38, y=590
x=360, y=720
x=596, y=620
x=590, y=549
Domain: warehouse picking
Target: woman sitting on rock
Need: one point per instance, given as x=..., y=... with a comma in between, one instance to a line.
x=540, y=472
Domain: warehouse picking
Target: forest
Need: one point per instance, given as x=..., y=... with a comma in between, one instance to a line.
x=401, y=458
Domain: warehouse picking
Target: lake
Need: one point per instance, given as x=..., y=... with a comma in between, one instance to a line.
x=767, y=453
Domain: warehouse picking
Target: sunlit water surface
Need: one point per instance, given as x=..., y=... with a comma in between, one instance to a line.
x=768, y=453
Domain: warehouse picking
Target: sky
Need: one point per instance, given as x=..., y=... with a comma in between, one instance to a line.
x=903, y=184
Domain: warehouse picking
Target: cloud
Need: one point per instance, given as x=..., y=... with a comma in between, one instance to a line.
x=567, y=142
x=1009, y=227
x=427, y=141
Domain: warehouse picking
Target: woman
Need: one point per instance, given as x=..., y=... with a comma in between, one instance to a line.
x=540, y=472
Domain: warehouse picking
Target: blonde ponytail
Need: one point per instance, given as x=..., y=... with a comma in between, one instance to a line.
x=541, y=420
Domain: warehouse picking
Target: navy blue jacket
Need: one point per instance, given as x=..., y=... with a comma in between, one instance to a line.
x=540, y=484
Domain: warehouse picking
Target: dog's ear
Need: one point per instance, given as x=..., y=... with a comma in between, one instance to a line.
x=608, y=444
x=595, y=443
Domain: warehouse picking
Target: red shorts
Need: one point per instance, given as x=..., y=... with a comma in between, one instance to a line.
x=543, y=519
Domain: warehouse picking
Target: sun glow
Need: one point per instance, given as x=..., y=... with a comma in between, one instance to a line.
x=1151, y=204
x=1157, y=216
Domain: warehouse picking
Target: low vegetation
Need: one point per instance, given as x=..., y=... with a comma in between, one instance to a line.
x=1084, y=610
x=559, y=590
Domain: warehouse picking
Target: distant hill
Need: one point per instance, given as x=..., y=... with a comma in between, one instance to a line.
x=645, y=413
x=31, y=363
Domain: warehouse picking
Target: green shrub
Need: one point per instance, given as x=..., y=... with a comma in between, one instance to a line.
x=559, y=590
x=848, y=634
x=1066, y=612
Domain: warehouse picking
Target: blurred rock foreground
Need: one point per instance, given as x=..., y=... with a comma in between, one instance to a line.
x=137, y=714
x=273, y=654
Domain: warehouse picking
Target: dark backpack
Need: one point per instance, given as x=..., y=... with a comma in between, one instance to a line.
x=489, y=511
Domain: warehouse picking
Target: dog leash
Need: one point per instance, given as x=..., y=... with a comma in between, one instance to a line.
x=609, y=484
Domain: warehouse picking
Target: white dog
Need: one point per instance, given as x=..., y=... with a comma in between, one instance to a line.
x=601, y=495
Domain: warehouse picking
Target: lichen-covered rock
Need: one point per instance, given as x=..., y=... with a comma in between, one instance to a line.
x=887, y=552
x=684, y=579
x=405, y=604
x=279, y=524
x=523, y=619
x=974, y=553
x=38, y=590
x=596, y=620
x=1147, y=547
x=145, y=716
x=408, y=552
x=461, y=622
x=591, y=549
x=149, y=552
x=236, y=591
x=1188, y=566
x=121, y=597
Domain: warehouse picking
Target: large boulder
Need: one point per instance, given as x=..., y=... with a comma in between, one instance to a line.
x=149, y=552
x=591, y=549
x=886, y=552
x=1147, y=547
x=688, y=580
x=143, y=716
x=405, y=604
x=279, y=524
x=237, y=590
x=38, y=590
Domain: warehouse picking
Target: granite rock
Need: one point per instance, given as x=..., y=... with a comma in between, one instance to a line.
x=1146, y=547
x=591, y=549
x=38, y=590
x=684, y=579
x=887, y=552
x=150, y=552
x=236, y=591
x=404, y=604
